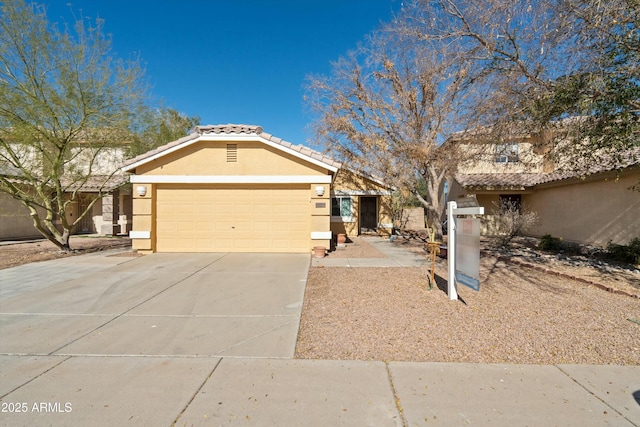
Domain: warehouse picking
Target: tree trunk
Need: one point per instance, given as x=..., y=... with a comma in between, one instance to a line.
x=435, y=200
x=61, y=240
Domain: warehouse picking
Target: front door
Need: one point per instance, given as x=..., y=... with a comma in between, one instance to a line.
x=368, y=214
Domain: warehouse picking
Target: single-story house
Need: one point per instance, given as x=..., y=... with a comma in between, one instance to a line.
x=236, y=188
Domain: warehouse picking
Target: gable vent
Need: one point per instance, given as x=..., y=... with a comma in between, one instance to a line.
x=232, y=153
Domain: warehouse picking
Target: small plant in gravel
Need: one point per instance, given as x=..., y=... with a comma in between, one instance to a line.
x=550, y=243
x=629, y=254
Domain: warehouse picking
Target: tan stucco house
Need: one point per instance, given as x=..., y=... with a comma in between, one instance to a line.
x=110, y=215
x=593, y=206
x=236, y=188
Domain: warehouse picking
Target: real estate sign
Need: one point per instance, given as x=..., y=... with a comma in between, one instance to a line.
x=468, y=252
x=463, y=246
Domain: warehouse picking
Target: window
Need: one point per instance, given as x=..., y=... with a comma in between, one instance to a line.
x=341, y=208
x=506, y=153
x=510, y=202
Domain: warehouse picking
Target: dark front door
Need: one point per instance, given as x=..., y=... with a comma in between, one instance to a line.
x=368, y=214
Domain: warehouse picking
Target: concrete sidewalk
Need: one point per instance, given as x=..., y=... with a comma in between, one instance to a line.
x=208, y=339
x=166, y=391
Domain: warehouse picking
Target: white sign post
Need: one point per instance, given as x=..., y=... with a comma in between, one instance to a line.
x=463, y=247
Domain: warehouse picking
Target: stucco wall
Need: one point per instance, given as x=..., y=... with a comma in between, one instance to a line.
x=479, y=156
x=15, y=221
x=210, y=158
x=593, y=211
x=347, y=183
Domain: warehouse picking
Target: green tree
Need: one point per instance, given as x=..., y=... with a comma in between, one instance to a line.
x=65, y=102
x=162, y=126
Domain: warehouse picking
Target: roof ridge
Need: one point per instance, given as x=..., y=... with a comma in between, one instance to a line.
x=228, y=128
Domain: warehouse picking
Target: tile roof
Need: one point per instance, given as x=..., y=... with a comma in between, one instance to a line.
x=504, y=180
x=527, y=180
x=630, y=158
x=96, y=183
x=235, y=129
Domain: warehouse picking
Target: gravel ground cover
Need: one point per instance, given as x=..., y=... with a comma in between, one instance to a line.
x=520, y=315
x=19, y=253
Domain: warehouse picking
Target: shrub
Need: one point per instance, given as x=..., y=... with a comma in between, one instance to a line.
x=511, y=220
x=629, y=254
x=550, y=243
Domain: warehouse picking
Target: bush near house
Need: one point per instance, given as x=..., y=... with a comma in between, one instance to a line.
x=628, y=254
x=625, y=253
x=511, y=220
x=550, y=243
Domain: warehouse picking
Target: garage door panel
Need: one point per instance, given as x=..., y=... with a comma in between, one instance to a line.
x=242, y=220
x=298, y=227
x=223, y=209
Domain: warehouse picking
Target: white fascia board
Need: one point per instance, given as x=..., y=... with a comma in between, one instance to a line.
x=300, y=155
x=320, y=235
x=230, y=179
x=140, y=234
x=160, y=154
x=361, y=193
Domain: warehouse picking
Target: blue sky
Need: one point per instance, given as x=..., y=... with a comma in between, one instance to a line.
x=234, y=61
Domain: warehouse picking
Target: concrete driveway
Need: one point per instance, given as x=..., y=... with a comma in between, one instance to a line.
x=245, y=305
x=207, y=339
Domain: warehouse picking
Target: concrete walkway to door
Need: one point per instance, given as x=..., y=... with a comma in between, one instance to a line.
x=162, y=304
x=394, y=256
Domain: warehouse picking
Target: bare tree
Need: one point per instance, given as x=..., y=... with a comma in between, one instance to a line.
x=65, y=103
x=389, y=105
x=545, y=61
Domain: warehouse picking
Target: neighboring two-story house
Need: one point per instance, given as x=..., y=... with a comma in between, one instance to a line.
x=110, y=215
x=592, y=206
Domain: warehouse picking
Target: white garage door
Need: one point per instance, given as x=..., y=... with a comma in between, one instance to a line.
x=206, y=219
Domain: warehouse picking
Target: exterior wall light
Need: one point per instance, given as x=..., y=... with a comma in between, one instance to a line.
x=141, y=190
x=320, y=190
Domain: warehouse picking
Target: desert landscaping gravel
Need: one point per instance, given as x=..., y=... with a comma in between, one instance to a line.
x=520, y=315
x=17, y=253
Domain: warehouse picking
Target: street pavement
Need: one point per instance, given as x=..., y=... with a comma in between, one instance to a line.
x=209, y=339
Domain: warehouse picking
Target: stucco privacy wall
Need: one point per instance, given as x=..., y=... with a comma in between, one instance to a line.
x=279, y=181
x=594, y=211
x=355, y=186
x=15, y=221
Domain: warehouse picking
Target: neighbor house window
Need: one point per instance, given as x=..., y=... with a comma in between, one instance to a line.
x=506, y=153
x=511, y=202
x=341, y=208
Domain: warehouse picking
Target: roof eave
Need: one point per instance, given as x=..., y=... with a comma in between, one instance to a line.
x=232, y=137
